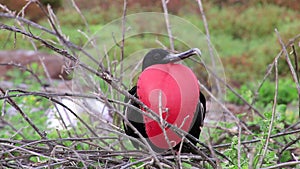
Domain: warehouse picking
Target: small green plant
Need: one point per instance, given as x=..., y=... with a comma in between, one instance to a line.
x=287, y=92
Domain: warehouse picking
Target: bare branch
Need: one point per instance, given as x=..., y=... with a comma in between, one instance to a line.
x=164, y=4
x=209, y=43
x=260, y=162
x=281, y=165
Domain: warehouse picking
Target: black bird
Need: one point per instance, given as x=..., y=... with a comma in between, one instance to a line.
x=171, y=90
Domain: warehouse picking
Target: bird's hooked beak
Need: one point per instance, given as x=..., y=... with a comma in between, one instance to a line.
x=171, y=58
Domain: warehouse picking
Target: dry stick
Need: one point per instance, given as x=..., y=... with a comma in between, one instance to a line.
x=239, y=148
x=8, y=155
x=237, y=121
x=5, y=15
x=104, y=75
x=135, y=162
x=61, y=104
x=22, y=11
x=122, y=45
x=229, y=87
x=62, y=119
x=160, y=107
x=19, y=66
x=61, y=38
x=74, y=151
x=47, y=95
x=11, y=126
x=260, y=162
x=62, y=51
x=50, y=95
x=81, y=15
x=52, y=165
x=287, y=146
x=269, y=71
x=297, y=72
x=118, y=102
x=123, y=33
x=29, y=23
x=90, y=129
x=32, y=73
x=31, y=152
x=212, y=150
x=296, y=61
x=209, y=43
x=164, y=4
x=282, y=165
x=294, y=75
x=13, y=104
x=24, y=143
x=258, y=140
x=292, y=126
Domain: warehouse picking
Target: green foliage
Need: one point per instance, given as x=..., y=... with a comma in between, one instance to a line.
x=248, y=26
x=244, y=91
x=287, y=93
x=284, y=116
x=31, y=106
x=271, y=156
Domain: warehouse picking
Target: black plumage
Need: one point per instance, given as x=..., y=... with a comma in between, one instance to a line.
x=160, y=56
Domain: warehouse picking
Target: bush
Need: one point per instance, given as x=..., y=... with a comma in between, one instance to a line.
x=287, y=92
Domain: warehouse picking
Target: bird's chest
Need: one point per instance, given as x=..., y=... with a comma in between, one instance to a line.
x=171, y=91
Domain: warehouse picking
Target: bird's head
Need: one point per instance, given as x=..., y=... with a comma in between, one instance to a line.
x=161, y=56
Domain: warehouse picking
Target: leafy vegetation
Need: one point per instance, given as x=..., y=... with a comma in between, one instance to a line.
x=287, y=92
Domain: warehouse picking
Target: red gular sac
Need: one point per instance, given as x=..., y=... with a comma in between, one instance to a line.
x=171, y=91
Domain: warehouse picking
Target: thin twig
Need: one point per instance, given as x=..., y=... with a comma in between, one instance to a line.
x=292, y=70
x=14, y=104
x=294, y=52
x=237, y=121
x=297, y=71
x=258, y=140
x=165, y=8
x=287, y=146
x=281, y=165
x=219, y=79
x=209, y=43
x=239, y=148
x=211, y=149
x=260, y=162
x=81, y=15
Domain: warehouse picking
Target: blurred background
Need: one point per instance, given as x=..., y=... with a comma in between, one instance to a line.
x=241, y=31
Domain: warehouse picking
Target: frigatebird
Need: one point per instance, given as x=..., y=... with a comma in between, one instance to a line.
x=170, y=90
